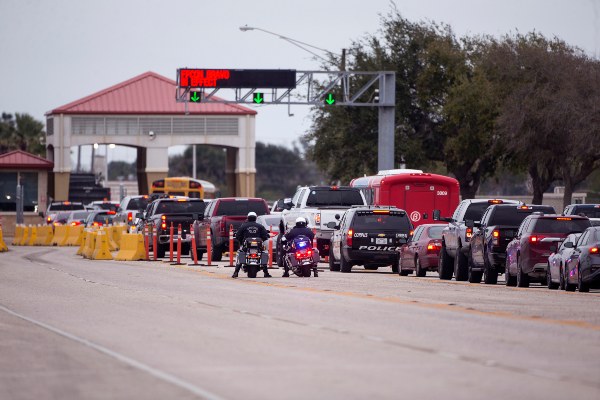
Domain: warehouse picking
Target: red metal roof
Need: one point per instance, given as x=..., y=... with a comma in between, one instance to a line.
x=148, y=93
x=20, y=159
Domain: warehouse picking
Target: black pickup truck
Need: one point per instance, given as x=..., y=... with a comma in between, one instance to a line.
x=498, y=226
x=162, y=212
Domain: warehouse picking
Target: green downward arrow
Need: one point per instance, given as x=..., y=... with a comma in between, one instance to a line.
x=258, y=98
x=330, y=100
x=194, y=97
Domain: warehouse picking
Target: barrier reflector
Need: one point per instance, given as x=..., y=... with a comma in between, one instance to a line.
x=74, y=236
x=18, y=235
x=61, y=234
x=3, y=246
x=101, y=250
x=33, y=233
x=132, y=247
x=90, y=244
x=25, y=236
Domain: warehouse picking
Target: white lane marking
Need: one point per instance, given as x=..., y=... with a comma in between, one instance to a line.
x=124, y=359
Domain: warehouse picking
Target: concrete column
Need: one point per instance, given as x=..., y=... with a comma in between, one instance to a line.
x=230, y=175
x=246, y=186
x=62, y=157
x=246, y=168
x=61, y=186
x=142, y=179
x=157, y=164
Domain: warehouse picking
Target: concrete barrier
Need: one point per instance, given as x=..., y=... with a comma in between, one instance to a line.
x=25, y=237
x=18, y=235
x=101, y=250
x=90, y=244
x=132, y=247
x=112, y=245
x=61, y=234
x=33, y=234
x=3, y=246
x=83, y=243
x=74, y=235
x=48, y=235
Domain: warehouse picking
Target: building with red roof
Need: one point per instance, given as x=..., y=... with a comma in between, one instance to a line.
x=142, y=113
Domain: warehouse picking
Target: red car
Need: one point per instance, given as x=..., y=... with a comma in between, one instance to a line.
x=422, y=252
x=538, y=236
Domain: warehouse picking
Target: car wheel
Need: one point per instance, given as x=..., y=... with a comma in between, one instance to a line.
x=396, y=265
x=444, y=264
x=345, y=266
x=551, y=285
x=490, y=275
x=522, y=278
x=581, y=286
x=404, y=272
x=332, y=264
x=217, y=252
x=510, y=280
x=419, y=271
x=461, y=265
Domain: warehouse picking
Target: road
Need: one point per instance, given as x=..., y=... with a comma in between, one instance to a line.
x=73, y=328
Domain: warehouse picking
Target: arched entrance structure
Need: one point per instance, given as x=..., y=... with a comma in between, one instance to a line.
x=142, y=112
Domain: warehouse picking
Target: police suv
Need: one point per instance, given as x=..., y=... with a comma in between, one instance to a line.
x=370, y=236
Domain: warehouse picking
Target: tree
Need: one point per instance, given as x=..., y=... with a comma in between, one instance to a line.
x=21, y=132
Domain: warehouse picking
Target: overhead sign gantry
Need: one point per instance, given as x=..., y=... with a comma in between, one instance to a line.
x=291, y=87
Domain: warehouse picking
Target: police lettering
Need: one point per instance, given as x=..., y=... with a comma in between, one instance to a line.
x=379, y=248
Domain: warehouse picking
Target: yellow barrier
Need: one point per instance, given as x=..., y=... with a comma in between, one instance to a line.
x=74, y=235
x=101, y=252
x=25, y=237
x=132, y=247
x=33, y=234
x=48, y=235
x=90, y=243
x=41, y=235
x=3, y=246
x=112, y=245
x=61, y=234
x=18, y=235
x=117, y=232
x=82, y=244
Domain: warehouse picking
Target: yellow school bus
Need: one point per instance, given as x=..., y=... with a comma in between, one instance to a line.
x=179, y=186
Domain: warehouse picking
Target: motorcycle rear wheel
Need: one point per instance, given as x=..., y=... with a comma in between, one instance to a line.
x=306, y=270
x=252, y=270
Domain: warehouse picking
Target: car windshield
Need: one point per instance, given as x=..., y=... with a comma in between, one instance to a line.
x=104, y=218
x=243, y=207
x=475, y=211
x=139, y=203
x=107, y=206
x=330, y=197
x=513, y=216
x=435, y=232
x=567, y=225
x=66, y=207
x=381, y=222
x=588, y=211
x=180, y=207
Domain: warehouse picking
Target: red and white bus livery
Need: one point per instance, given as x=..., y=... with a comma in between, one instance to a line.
x=412, y=190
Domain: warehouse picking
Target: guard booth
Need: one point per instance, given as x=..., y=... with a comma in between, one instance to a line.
x=142, y=113
x=32, y=172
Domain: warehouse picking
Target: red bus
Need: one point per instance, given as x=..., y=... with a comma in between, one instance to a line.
x=412, y=190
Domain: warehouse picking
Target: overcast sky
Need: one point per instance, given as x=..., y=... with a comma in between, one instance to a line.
x=55, y=52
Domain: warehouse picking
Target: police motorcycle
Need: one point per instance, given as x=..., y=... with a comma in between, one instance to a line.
x=252, y=256
x=301, y=258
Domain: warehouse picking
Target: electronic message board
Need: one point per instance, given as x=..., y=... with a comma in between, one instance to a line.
x=236, y=78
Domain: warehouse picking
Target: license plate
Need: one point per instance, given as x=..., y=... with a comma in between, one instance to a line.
x=305, y=262
x=381, y=241
x=509, y=233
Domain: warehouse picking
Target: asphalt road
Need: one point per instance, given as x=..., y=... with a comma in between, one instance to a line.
x=74, y=329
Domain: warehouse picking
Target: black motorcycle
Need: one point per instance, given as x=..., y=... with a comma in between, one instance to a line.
x=301, y=257
x=252, y=256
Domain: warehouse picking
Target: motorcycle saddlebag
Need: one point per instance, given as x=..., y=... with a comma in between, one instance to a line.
x=264, y=258
x=316, y=257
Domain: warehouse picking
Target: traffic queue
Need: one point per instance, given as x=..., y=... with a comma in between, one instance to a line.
x=345, y=227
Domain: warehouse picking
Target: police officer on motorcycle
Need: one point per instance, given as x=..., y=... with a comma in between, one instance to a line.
x=251, y=229
x=299, y=230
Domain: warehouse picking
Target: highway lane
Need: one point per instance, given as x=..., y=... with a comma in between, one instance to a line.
x=150, y=330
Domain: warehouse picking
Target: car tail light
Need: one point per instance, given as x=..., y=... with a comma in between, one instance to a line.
x=303, y=254
x=381, y=211
x=495, y=201
x=111, y=212
x=222, y=227
x=535, y=239
x=75, y=223
x=495, y=237
x=349, y=237
x=433, y=246
x=49, y=219
x=97, y=223
x=129, y=217
x=594, y=250
x=163, y=223
x=317, y=218
x=469, y=233
x=564, y=219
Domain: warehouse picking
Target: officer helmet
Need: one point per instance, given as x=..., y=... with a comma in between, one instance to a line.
x=252, y=216
x=300, y=222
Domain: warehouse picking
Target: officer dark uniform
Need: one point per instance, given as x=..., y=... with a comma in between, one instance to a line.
x=299, y=230
x=251, y=229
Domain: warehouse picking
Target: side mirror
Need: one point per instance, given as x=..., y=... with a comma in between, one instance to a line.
x=569, y=245
x=436, y=215
x=331, y=225
x=337, y=217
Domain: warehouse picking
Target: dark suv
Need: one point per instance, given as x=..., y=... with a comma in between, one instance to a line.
x=527, y=254
x=370, y=236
